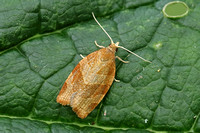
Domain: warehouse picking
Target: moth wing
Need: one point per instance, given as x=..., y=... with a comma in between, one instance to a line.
x=84, y=102
x=94, y=87
x=73, y=82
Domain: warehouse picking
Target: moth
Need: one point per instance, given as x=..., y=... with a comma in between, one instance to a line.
x=91, y=79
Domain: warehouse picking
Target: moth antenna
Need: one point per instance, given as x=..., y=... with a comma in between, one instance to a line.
x=117, y=44
x=102, y=28
x=134, y=54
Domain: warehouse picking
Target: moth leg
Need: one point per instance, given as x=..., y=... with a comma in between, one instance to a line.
x=82, y=56
x=116, y=80
x=98, y=45
x=121, y=59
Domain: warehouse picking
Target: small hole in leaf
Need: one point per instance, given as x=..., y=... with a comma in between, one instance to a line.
x=175, y=9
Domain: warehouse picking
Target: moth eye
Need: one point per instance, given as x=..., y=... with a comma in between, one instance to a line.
x=116, y=49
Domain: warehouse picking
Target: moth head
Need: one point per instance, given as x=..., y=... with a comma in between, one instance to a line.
x=114, y=46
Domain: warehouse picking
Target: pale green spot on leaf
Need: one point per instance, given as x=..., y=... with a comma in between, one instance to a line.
x=157, y=46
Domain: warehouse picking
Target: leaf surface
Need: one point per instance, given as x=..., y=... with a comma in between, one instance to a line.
x=41, y=43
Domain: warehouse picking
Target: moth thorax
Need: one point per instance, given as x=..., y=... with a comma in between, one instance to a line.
x=107, y=54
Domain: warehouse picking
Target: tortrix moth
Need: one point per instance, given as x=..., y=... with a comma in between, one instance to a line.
x=91, y=79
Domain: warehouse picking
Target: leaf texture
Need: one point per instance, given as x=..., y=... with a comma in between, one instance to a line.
x=40, y=43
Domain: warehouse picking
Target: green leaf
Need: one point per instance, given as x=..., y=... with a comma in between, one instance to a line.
x=41, y=43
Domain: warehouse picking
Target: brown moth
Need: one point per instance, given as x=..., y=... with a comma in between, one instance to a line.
x=91, y=79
